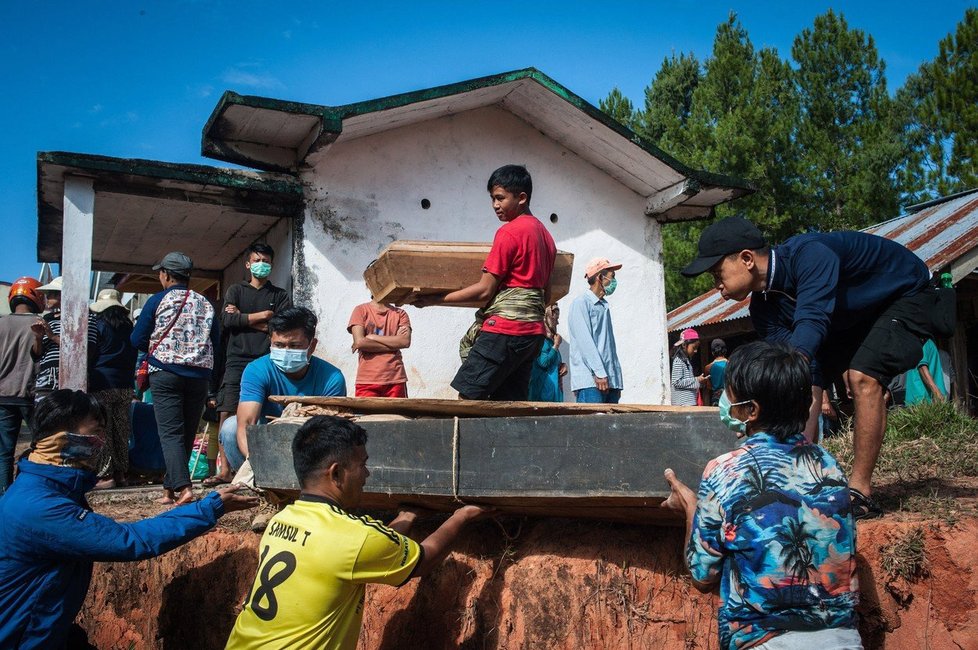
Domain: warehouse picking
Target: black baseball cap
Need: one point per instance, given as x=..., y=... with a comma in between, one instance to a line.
x=176, y=262
x=730, y=235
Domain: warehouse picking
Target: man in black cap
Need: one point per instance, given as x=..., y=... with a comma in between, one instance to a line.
x=846, y=300
x=178, y=330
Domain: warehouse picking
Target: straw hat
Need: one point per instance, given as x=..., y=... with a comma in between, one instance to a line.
x=53, y=285
x=106, y=298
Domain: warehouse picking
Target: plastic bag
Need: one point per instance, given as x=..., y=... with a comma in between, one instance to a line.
x=198, y=459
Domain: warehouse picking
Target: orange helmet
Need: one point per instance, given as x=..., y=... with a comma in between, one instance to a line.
x=24, y=290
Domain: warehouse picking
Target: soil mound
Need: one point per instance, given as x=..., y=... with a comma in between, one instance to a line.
x=545, y=583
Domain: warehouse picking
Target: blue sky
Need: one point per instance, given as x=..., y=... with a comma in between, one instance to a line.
x=139, y=79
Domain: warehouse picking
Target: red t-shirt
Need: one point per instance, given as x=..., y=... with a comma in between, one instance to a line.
x=522, y=255
x=380, y=367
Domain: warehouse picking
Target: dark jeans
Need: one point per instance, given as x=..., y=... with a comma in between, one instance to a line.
x=595, y=396
x=178, y=403
x=10, y=418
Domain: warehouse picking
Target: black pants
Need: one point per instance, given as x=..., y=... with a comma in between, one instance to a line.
x=498, y=367
x=178, y=403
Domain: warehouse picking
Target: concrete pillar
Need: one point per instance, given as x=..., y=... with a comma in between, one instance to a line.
x=76, y=271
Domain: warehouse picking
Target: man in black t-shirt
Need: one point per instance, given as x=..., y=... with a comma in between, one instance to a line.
x=248, y=305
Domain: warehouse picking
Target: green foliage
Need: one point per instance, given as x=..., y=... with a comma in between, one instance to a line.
x=923, y=441
x=669, y=104
x=619, y=107
x=848, y=151
x=938, y=118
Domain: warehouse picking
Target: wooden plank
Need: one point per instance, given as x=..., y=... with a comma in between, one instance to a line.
x=76, y=270
x=593, y=466
x=406, y=270
x=425, y=407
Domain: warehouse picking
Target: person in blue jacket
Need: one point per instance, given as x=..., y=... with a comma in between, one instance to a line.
x=847, y=301
x=50, y=537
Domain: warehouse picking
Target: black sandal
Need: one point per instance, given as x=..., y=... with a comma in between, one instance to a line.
x=862, y=507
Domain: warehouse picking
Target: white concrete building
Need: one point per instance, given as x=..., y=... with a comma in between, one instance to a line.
x=413, y=166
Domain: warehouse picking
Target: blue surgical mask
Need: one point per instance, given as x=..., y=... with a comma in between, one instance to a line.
x=737, y=426
x=289, y=361
x=261, y=269
x=611, y=286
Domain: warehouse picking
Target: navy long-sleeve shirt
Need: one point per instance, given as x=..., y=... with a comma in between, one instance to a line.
x=822, y=282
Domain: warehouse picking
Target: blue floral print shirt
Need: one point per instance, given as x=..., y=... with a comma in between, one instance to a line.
x=773, y=521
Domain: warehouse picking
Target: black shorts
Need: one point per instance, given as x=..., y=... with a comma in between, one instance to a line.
x=886, y=347
x=498, y=367
x=230, y=391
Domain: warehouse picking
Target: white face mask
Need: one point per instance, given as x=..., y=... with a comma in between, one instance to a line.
x=289, y=361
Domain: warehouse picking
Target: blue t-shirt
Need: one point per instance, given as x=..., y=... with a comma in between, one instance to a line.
x=261, y=378
x=718, y=370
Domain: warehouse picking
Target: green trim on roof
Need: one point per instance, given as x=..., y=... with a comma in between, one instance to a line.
x=332, y=116
x=203, y=174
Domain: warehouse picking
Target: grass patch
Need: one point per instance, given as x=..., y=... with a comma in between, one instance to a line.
x=906, y=558
x=921, y=442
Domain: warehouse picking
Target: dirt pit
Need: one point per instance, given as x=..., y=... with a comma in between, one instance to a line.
x=535, y=583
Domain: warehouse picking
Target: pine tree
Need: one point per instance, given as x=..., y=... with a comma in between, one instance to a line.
x=938, y=118
x=849, y=151
x=743, y=116
x=668, y=105
x=619, y=107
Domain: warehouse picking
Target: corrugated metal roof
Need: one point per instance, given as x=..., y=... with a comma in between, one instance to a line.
x=939, y=234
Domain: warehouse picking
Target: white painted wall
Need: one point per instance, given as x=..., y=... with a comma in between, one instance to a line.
x=363, y=194
x=280, y=239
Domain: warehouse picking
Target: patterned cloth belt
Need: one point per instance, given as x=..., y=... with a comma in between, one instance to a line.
x=514, y=303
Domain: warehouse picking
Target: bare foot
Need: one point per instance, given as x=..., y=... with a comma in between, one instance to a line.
x=186, y=496
x=167, y=498
x=104, y=484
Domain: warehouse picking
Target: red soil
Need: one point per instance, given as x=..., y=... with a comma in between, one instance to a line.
x=553, y=583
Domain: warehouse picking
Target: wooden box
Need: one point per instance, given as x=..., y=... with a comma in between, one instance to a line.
x=408, y=269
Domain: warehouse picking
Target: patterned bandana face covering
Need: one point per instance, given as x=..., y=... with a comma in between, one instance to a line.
x=66, y=449
x=737, y=426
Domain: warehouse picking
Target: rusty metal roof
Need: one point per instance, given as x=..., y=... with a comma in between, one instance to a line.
x=940, y=233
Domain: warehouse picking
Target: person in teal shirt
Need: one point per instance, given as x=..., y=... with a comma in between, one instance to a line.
x=716, y=369
x=548, y=368
x=921, y=383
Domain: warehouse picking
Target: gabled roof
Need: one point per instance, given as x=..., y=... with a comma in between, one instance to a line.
x=145, y=208
x=943, y=233
x=277, y=135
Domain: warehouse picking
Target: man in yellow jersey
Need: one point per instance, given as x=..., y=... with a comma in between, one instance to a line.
x=316, y=558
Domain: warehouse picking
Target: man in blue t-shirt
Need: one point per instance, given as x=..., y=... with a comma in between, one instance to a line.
x=288, y=369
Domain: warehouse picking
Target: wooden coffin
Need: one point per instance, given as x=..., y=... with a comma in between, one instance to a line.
x=407, y=269
x=599, y=466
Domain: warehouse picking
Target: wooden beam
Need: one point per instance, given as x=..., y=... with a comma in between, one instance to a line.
x=964, y=265
x=686, y=213
x=76, y=271
x=425, y=407
x=123, y=267
x=671, y=196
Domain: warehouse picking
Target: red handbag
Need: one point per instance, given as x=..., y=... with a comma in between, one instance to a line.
x=142, y=372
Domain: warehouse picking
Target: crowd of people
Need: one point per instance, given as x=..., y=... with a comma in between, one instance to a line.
x=772, y=524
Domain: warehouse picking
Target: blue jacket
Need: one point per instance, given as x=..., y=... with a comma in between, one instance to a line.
x=821, y=282
x=50, y=538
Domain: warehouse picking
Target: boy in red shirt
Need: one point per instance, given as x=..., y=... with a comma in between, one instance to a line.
x=380, y=332
x=516, y=286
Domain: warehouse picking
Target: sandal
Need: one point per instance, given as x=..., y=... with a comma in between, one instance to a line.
x=862, y=507
x=215, y=481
